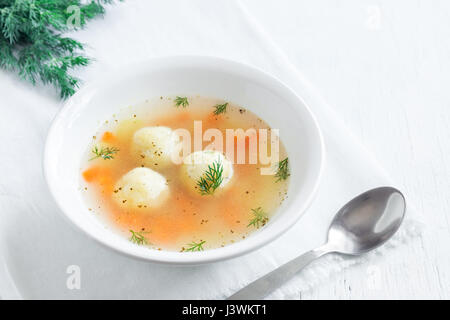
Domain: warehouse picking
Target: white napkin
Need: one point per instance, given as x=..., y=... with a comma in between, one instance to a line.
x=37, y=245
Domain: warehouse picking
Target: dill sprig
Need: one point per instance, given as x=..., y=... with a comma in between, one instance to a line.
x=282, y=170
x=259, y=218
x=138, y=237
x=220, y=108
x=194, y=246
x=32, y=42
x=211, y=179
x=105, y=152
x=181, y=101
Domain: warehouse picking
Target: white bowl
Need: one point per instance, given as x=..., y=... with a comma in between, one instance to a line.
x=271, y=100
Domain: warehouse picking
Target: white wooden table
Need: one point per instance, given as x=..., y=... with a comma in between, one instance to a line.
x=385, y=66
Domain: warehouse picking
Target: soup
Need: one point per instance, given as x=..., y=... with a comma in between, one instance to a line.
x=185, y=173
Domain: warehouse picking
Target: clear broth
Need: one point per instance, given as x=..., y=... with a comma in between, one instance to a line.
x=185, y=218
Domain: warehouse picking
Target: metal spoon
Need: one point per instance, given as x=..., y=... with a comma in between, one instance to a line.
x=363, y=224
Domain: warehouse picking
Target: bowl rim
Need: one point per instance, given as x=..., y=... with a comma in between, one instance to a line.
x=190, y=258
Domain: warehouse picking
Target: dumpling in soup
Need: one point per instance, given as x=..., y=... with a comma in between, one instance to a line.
x=141, y=188
x=154, y=146
x=197, y=164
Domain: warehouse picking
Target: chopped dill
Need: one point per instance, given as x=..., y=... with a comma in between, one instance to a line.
x=282, y=170
x=181, y=101
x=220, y=108
x=193, y=246
x=138, y=237
x=259, y=218
x=211, y=179
x=105, y=152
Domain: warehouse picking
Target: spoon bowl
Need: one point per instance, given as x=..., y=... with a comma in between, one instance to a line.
x=367, y=221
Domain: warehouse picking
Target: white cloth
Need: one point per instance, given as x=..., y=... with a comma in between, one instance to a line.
x=37, y=245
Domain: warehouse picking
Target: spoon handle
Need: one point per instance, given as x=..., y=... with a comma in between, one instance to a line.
x=261, y=287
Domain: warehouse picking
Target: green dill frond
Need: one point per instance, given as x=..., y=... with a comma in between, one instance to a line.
x=220, y=108
x=181, y=101
x=32, y=43
x=282, y=170
x=211, y=179
x=194, y=246
x=106, y=153
x=138, y=237
x=259, y=218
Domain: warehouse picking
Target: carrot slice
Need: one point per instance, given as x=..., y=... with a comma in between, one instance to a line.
x=183, y=116
x=167, y=228
x=91, y=174
x=212, y=121
x=108, y=137
x=100, y=175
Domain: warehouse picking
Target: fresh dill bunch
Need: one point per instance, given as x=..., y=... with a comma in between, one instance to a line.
x=194, y=246
x=220, y=108
x=259, y=218
x=282, y=170
x=32, y=42
x=138, y=237
x=106, y=153
x=211, y=179
x=181, y=101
